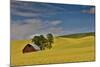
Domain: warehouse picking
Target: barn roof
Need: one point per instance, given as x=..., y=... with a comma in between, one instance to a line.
x=30, y=48
x=35, y=46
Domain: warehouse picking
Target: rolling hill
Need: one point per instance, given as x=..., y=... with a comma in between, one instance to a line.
x=79, y=35
x=67, y=48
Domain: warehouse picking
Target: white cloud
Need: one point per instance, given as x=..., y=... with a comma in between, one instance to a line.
x=30, y=9
x=56, y=30
x=56, y=22
x=24, y=14
x=21, y=30
x=90, y=11
x=25, y=28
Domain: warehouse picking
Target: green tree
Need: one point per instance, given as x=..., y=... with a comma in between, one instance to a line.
x=43, y=42
x=40, y=41
x=50, y=40
x=36, y=40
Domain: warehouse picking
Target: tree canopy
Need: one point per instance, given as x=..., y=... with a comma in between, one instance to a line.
x=43, y=42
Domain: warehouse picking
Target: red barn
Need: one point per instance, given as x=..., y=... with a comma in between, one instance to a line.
x=30, y=48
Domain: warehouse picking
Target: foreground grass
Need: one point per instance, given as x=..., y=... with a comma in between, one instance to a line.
x=64, y=50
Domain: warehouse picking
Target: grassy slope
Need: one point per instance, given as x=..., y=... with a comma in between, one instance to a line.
x=64, y=50
x=79, y=35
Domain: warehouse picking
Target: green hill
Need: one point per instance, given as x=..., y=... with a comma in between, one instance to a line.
x=79, y=35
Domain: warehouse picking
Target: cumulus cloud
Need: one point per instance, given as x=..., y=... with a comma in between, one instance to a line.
x=90, y=11
x=56, y=22
x=29, y=9
x=34, y=10
x=28, y=18
x=21, y=30
x=24, y=28
x=56, y=30
x=24, y=9
x=24, y=14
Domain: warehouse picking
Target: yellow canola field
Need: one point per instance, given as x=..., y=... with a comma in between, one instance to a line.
x=64, y=50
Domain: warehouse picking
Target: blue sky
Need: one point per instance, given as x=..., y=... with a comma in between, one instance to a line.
x=30, y=18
